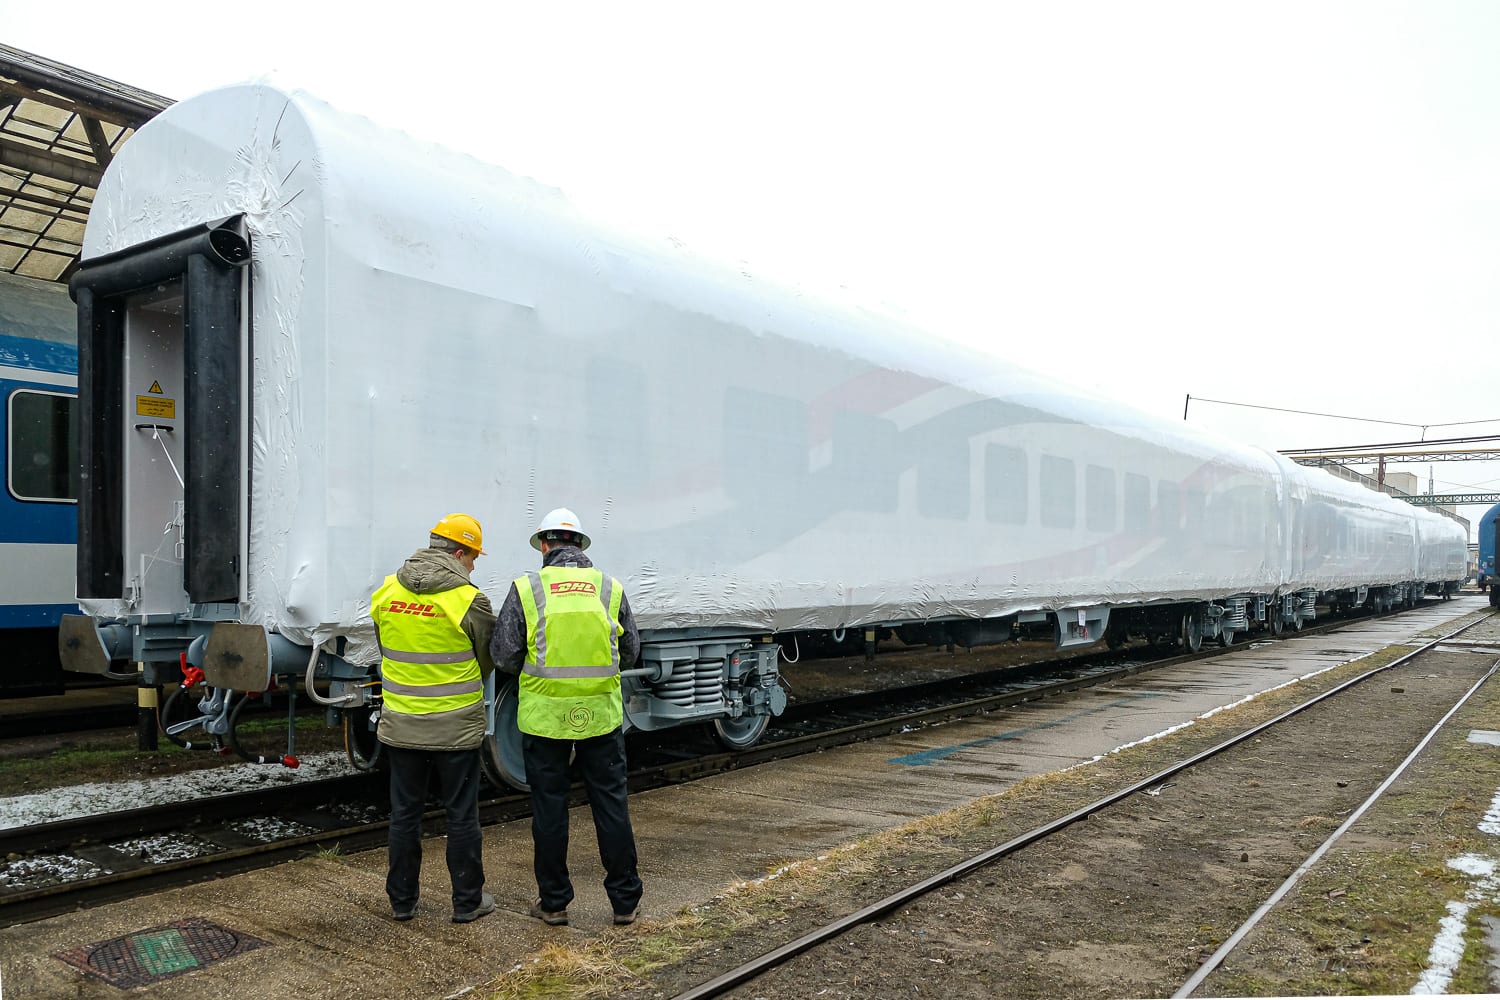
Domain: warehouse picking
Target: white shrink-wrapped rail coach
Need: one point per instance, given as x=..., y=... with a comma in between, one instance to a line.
x=304, y=337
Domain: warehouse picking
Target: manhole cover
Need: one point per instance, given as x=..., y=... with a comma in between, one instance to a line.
x=159, y=953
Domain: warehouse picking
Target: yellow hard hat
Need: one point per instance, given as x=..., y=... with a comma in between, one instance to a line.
x=462, y=529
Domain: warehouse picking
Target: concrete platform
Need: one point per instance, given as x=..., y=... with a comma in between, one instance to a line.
x=326, y=925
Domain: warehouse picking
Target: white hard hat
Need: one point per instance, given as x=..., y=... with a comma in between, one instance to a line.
x=561, y=519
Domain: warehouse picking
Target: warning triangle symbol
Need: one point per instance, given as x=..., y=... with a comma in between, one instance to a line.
x=155, y=387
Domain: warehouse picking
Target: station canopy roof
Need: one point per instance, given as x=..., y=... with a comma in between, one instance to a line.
x=59, y=128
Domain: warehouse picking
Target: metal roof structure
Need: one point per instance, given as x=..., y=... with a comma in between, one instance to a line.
x=59, y=128
x=1467, y=449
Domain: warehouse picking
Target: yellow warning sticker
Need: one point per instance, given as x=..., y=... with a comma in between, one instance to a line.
x=150, y=406
x=156, y=388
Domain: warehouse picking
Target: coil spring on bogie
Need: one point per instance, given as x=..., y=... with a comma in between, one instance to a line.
x=1307, y=603
x=677, y=689
x=702, y=685
x=1235, y=617
x=708, y=681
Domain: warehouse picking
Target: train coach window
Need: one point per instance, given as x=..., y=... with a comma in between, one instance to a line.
x=617, y=437
x=1168, y=508
x=1005, y=484
x=765, y=436
x=1137, y=504
x=1059, y=492
x=1222, y=518
x=862, y=448
x=1099, y=498
x=943, y=479
x=1194, y=510
x=42, y=450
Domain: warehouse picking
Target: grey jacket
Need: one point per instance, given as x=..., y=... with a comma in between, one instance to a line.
x=508, y=647
x=432, y=571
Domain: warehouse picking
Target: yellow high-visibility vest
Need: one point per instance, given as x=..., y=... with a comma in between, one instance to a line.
x=427, y=661
x=570, y=685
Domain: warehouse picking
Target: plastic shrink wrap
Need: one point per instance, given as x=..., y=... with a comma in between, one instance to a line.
x=432, y=333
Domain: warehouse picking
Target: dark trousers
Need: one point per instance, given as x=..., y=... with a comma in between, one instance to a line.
x=457, y=773
x=601, y=760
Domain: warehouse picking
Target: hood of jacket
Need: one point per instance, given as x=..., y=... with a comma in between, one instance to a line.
x=432, y=571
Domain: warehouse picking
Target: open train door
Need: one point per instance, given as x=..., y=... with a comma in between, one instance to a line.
x=163, y=379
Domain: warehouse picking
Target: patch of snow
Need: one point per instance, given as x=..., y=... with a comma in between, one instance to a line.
x=1473, y=865
x=265, y=829
x=359, y=813
x=105, y=797
x=1448, y=945
x=1490, y=824
x=1447, y=949
x=46, y=869
x=163, y=847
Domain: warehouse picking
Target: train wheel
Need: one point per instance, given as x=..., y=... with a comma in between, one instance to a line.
x=360, y=743
x=1226, y=637
x=1192, y=632
x=501, y=756
x=1275, y=623
x=738, y=734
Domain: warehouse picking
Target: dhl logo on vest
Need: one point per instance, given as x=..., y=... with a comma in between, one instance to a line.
x=406, y=608
x=572, y=587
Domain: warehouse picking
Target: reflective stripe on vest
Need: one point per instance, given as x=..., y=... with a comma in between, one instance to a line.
x=427, y=661
x=570, y=684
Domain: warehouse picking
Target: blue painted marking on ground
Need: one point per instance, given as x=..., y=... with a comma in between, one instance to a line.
x=926, y=757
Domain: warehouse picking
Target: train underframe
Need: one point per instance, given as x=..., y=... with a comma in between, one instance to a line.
x=731, y=683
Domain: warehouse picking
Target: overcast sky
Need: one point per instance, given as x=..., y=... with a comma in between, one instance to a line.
x=1287, y=204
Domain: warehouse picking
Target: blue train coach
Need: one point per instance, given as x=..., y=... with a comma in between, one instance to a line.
x=38, y=510
x=1488, y=553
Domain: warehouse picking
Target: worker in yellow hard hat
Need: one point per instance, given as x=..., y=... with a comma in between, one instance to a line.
x=434, y=629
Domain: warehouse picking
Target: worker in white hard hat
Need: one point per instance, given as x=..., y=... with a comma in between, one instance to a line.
x=434, y=630
x=567, y=632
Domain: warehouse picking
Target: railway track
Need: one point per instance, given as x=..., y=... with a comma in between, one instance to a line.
x=57, y=867
x=767, y=963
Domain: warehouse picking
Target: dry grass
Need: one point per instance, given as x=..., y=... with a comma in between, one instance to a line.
x=1363, y=920
x=616, y=962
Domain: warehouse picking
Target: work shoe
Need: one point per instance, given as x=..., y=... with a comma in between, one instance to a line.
x=404, y=913
x=628, y=918
x=486, y=906
x=556, y=918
